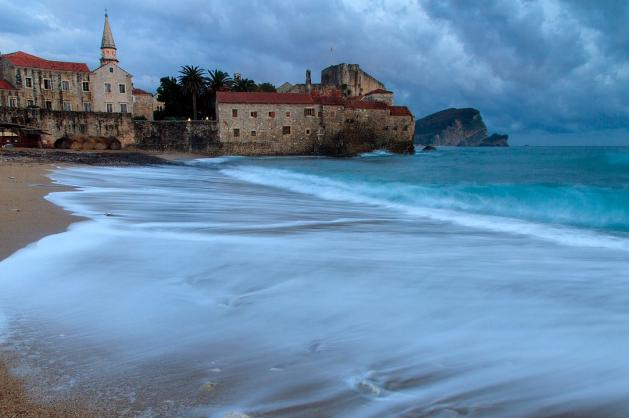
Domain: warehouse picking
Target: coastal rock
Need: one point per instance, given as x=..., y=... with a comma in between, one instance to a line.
x=495, y=140
x=429, y=148
x=457, y=128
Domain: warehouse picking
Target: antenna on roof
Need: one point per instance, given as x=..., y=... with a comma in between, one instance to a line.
x=105, y=12
x=332, y=53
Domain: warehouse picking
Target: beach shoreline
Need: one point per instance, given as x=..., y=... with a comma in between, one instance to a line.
x=26, y=217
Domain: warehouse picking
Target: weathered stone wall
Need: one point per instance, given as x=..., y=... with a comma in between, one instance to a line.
x=143, y=106
x=264, y=134
x=63, y=124
x=356, y=81
x=314, y=129
x=196, y=136
x=350, y=131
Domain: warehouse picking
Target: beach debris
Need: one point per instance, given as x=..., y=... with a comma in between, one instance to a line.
x=109, y=214
x=14, y=210
x=11, y=178
x=208, y=387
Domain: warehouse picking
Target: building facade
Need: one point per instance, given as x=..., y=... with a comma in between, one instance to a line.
x=145, y=104
x=30, y=81
x=37, y=82
x=299, y=123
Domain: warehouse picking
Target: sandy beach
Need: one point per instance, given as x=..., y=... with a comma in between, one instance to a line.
x=25, y=217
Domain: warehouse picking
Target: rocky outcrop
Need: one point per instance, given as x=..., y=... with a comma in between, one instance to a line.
x=495, y=140
x=457, y=128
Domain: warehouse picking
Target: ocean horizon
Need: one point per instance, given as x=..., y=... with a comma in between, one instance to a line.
x=476, y=282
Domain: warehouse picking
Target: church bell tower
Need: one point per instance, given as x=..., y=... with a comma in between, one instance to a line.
x=108, y=46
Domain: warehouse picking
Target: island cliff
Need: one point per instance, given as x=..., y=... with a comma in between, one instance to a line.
x=456, y=127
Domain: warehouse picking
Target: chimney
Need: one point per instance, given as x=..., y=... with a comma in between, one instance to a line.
x=308, y=82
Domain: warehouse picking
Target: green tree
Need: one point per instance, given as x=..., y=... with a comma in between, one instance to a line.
x=244, y=84
x=267, y=87
x=219, y=81
x=193, y=82
x=175, y=103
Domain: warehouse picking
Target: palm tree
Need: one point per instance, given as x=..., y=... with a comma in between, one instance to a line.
x=219, y=81
x=244, y=84
x=192, y=81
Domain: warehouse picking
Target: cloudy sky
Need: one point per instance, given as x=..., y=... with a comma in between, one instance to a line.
x=542, y=71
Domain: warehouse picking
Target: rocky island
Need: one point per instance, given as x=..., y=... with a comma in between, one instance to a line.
x=456, y=128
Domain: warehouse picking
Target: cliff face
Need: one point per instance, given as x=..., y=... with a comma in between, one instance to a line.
x=456, y=127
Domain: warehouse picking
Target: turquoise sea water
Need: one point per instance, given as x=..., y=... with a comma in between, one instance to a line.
x=457, y=283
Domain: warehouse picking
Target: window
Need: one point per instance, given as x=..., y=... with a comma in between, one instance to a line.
x=288, y=114
x=107, y=87
x=29, y=82
x=320, y=113
x=307, y=131
x=13, y=102
x=65, y=85
x=234, y=113
x=67, y=106
x=271, y=114
x=309, y=111
x=111, y=69
x=122, y=88
x=30, y=103
x=47, y=84
x=48, y=105
x=405, y=128
x=236, y=132
x=253, y=133
x=254, y=114
x=86, y=86
x=123, y=108
x=333, y=114
x=87, y=107
x=285, y=130
x=110, y=107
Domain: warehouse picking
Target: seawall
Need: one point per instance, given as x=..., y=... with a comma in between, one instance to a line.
x=360, y=134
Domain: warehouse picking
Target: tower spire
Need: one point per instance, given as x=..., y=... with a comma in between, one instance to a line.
x=107, y=45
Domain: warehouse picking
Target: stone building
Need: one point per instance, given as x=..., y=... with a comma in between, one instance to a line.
x=112, y=86
x=38, y=82
x=300, y=123
x=145, y=104
x=30, y=81
x=346, y=79
x=351, y=79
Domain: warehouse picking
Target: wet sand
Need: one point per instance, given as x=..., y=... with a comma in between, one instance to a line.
x=25, y=217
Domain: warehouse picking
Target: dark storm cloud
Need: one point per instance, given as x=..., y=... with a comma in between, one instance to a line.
x=553, y=66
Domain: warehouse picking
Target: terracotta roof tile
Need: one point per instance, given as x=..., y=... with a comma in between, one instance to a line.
x=22, y=59
x=400, y=111
x=358, y=104
x=140, y=92
x=263, y=98
x=379, y=91
x=5, y=85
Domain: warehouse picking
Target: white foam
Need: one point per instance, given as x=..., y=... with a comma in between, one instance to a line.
x=359, y=193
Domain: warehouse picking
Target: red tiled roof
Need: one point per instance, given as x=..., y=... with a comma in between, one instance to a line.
x=358, y=104
x=263, y=98
x=5, y=85
x=399, y=111
x=22, y=59
x=330, y=100
x=140, y=92
x=379, y=91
